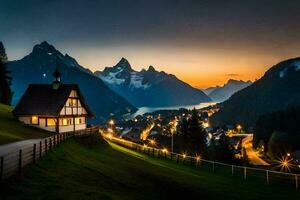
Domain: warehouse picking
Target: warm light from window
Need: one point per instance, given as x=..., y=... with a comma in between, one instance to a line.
x=51, y=122
x=78, y=120
x=34, y=120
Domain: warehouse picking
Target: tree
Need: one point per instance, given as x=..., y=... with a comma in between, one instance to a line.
x=5, y=79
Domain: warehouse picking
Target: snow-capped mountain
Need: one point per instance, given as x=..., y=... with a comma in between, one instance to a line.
x=222, y=93
x=38, y=67
x=150, y=87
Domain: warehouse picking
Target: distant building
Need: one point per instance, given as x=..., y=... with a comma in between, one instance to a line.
x=53, y=107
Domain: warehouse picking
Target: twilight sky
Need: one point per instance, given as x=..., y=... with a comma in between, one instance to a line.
x=202, y=42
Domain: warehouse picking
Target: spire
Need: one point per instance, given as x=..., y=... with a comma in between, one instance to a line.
x=56, y=82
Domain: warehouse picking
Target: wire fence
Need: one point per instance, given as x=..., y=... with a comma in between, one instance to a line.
x=14, y=161
x=246, y=173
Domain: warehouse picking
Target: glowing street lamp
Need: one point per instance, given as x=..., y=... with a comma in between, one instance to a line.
x=152, y=142
x=239, y=128
x=111, y=122
x=165, y=150
x=285, y=164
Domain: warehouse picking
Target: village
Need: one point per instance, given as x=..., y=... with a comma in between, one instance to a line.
x=130, y=100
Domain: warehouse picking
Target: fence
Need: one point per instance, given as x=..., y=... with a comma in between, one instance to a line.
x=257, y=174
x=13, y=162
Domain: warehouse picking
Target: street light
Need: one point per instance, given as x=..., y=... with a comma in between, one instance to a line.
x=239, y=127
x=152, y=142
x=111, y=122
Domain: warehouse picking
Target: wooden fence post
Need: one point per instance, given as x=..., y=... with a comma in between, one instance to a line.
x=40, y=149
x=50, y=144
x=245, y=173
x=213, y=166
x=46, y=146
x=34, y=153
x=267, y=176
x=20, y=161
x=232, y=170
x=1, y=168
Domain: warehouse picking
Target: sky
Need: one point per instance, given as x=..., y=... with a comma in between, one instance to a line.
x=204, y=43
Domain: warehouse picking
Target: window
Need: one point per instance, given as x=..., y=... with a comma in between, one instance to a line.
x=66, y=121
x=51, y=122
x=79, y=120
x=72, y=102
x=34, y=120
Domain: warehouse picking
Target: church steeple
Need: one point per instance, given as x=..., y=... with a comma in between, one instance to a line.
x=56, y=81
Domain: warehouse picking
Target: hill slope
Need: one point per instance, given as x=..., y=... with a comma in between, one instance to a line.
x=94, y=170
x=276, y=90
x=38, y=66
x=12, y=130
x=150, y=87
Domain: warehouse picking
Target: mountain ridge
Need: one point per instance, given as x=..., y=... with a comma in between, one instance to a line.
x=222, y=93
x=149, y=87
x=276, y=90
x=38, y=66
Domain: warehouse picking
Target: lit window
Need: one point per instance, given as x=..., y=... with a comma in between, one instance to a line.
x=51, y=122
x=72, y=102
x=66, y=121
x=34, y=120
x=78, y=120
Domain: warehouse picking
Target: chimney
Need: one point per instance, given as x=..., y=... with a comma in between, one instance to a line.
x=56, y=82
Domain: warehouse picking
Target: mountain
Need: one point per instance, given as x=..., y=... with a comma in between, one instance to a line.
x=150, y=87
x=278, y=89
x=220, y=94
x=207, y=91
x=38, y=66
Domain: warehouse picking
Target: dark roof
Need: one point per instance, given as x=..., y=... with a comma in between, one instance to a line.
x=42, y=99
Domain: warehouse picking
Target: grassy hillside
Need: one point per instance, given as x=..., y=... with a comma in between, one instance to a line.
x=12, y=130
x=85, y=169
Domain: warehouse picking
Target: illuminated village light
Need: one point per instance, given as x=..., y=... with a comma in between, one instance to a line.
x=285, y=164
x=111, y=122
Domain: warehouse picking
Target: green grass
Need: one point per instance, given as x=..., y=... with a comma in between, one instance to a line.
x=89, y=168
x=12, y=130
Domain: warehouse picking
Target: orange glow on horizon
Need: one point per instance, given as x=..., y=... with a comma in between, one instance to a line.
x=200, y=68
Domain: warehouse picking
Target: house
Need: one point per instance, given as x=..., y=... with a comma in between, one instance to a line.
x=53, y=107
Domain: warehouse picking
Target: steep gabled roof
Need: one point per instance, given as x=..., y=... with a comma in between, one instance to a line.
x=42, y=99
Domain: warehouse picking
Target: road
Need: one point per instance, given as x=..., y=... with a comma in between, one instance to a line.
x=254, y=159
x=16, y=146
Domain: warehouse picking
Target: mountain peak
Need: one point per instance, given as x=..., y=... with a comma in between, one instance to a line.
x=151, y=68
x=44, y=47
x=123, y=64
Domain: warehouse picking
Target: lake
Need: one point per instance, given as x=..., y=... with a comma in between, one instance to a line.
x=143, y=110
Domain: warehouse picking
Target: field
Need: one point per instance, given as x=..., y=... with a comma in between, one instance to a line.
x=91, y=168
x=11, y=130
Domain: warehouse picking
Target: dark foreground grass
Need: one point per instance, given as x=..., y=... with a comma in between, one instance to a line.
x=89, y=168
x=12, y=130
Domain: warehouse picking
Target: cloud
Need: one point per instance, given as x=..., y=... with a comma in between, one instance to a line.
x=232, y=75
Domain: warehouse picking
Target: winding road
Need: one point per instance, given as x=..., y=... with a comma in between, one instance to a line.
x=254, y=159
